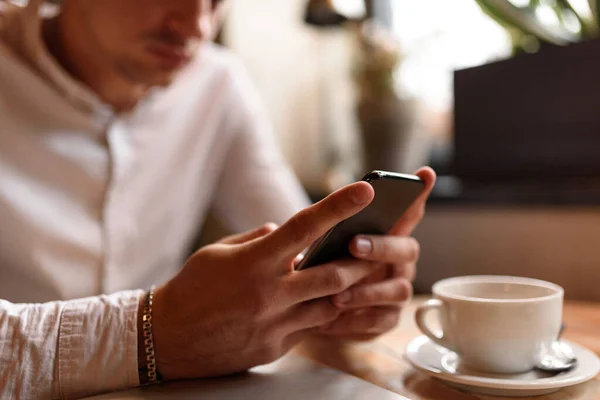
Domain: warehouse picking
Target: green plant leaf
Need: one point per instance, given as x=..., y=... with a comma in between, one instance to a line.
x=589, y=26
x=524, y=19
x=563, y=10
x=595, y=7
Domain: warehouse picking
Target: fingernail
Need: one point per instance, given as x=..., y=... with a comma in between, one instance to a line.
x=359, y=195
x=343, y=298
x=364, y=246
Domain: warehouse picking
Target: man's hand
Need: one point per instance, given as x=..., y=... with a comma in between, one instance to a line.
x=373, y=307
x=239, y=303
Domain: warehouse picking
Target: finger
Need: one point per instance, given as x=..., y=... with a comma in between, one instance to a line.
x=366, y=321
x=250, y=235
x=407, y=271
x=326, y=280
x=411, y=218
x=298, y=259
x=381, y=273
x=354, y=337
x=385, y=249
x=308, y=315
x=392, y=292
x=297, y=337
x=311, y=223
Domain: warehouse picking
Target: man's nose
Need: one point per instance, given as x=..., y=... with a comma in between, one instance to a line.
x=192, y=18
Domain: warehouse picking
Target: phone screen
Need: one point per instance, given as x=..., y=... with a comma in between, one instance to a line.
x=394, y=194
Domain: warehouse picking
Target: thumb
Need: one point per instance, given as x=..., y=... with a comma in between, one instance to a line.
x=413, y=216
x=249, y=235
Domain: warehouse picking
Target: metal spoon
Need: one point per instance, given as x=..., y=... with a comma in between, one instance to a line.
x=559, y=358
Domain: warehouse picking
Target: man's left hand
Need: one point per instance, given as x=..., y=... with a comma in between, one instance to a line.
x=373, y=307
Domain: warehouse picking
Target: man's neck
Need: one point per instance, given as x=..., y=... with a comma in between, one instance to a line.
x=68, y=46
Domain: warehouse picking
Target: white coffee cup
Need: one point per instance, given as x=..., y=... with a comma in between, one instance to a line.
x=498, y=324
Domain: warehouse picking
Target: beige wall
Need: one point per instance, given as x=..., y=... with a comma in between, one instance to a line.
x=289, y=62
x=556, y=244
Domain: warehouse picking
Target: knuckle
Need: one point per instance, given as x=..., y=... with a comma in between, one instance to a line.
x=402, y=290
x=406, y=270
x=365, y=295
x=373, y=319
x=325, y=311
x=411, y=273
x=409, y=290
x=390, y=321
x=382, y=321
x=270, y=226
x=414, y=249
x=267, y=228
x=398, y=292
x=270, y=353
x=336, y=279
x=301, y=228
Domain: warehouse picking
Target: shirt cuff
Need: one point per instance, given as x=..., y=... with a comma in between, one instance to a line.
x=97, y=345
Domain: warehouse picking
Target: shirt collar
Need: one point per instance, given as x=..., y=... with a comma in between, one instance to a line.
x=36, y=53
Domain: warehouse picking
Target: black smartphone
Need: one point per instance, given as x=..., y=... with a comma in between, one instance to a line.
x=394, y=194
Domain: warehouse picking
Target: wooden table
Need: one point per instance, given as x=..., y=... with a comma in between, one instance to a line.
x=381, y=362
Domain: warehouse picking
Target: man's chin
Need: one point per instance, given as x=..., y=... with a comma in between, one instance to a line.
x=154, y=78
x=162, y=79
x=163, y=73
x=151, y=75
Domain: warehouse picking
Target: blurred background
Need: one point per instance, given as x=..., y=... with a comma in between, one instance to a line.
x=335, y=74
x=500, y=97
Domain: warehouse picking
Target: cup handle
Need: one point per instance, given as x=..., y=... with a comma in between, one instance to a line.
x=430, y=305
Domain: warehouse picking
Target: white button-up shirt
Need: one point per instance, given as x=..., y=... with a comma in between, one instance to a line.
x=93, y=202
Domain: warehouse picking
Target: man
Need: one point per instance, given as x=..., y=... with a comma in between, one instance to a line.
x=119, y=127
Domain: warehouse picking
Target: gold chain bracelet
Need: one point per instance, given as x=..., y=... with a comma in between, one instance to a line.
x=153, y=377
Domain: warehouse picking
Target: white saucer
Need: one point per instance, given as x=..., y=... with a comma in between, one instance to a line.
x=444, y=364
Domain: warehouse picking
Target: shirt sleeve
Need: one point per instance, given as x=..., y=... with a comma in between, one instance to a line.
x=69, y=350
x=257, y=185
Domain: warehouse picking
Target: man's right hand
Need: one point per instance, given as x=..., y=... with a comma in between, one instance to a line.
x=239, y=303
